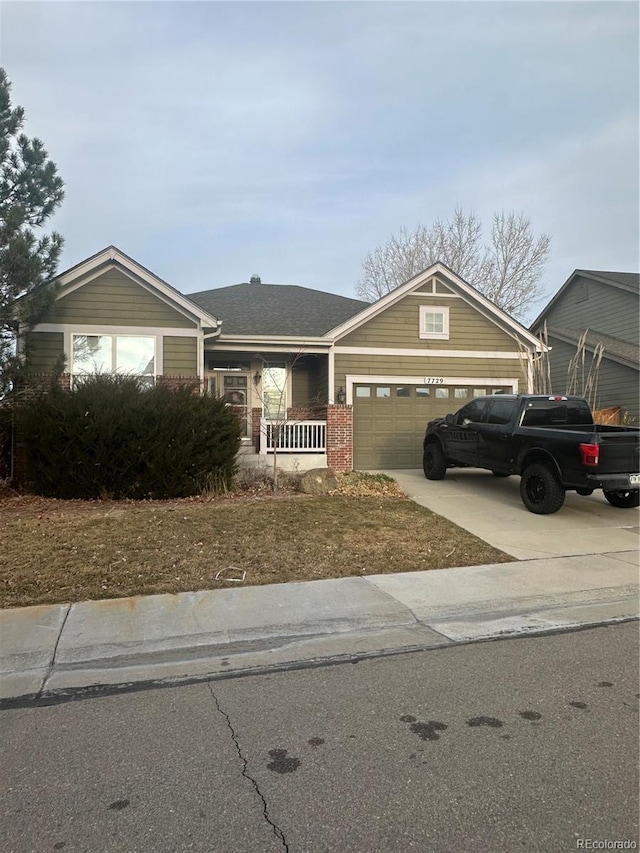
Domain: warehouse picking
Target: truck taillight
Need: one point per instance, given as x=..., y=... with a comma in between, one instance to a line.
x=590, y=454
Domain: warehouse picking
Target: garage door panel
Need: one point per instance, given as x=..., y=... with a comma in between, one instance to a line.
x=388, y=430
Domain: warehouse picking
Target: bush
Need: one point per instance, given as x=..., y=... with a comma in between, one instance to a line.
x=112, y=437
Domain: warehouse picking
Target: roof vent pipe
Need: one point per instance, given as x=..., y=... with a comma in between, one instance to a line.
x=255, y=279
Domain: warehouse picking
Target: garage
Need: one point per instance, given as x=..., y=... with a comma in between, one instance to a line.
x=390, y=419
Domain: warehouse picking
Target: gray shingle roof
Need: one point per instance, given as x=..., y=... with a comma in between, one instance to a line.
x=612, y=346
x=276, y=309
x=626, y=279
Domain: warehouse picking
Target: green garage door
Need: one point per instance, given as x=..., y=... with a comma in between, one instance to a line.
x=389, y=421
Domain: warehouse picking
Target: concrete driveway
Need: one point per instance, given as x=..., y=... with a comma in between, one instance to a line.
x=490, y=507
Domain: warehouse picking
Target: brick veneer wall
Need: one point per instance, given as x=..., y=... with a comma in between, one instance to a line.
x=340, y=438
x=256, y=414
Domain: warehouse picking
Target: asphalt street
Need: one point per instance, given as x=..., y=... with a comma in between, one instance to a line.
x=527, y=744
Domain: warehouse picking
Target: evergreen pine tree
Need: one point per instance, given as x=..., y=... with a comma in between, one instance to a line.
x=30, y=191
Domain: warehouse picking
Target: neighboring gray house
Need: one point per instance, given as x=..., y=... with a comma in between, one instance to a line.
x=607, y=306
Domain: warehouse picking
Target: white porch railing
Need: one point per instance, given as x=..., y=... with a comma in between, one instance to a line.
x=293, y=436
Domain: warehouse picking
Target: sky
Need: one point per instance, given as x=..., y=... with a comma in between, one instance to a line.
x=211, y=141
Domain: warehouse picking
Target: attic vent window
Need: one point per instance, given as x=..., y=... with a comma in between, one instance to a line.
x=255, y=279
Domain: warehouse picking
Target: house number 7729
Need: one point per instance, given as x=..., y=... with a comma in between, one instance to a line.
x=434, y=380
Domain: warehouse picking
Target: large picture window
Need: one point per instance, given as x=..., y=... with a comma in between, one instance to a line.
x=434, y=322
x=132, y=355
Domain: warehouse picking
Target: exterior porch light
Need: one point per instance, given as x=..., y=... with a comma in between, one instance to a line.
x=341, y=396
x=256, y=378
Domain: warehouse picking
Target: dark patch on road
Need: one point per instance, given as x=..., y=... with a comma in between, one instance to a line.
x=605, y=684
x=280, y=762
x=407, y=718
x=428, y=730
x=118, y=805
x=224, y=663
x=580, y=705
x=492, y=722
x=316, y=741
x=530, y=715
x=505, y=737
x=59, y=845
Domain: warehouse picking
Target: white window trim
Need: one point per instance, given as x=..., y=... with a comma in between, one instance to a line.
x=425, y=311
x=157, y=344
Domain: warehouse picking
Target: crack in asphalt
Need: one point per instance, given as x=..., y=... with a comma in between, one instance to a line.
x=279, y=834
x=52, y=663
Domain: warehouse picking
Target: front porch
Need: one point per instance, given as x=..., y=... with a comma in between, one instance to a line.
x=305, y=439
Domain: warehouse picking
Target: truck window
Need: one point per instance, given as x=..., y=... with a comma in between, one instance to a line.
x=501, y=412
x=546, y=413
x=472, y=412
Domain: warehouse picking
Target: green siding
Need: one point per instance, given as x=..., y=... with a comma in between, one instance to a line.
x=113, y=299
x=180, y=356
x=46, y=347
x=399, y=326
x=301, y=386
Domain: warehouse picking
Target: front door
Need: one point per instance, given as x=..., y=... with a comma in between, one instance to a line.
x=234, y=390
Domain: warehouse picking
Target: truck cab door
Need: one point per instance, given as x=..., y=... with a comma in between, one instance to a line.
x=494, y=438
x=462, y=434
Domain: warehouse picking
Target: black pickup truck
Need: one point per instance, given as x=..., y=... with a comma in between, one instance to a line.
x=550, y=441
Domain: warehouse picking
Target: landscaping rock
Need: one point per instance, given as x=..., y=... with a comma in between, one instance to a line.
x=319, y=481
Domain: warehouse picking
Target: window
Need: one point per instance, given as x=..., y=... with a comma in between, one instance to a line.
x=442, y=393
x=423, y=392
x=133, y=355
x=460, y=393
x=383, y=391
x=434, y=322
x=471, y=413
x=479, y=392
x=274, y=392
x=403, y=391
x=501, y=411
x=363, y=391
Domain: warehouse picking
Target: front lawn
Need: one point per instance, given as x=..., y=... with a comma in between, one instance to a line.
x=57, y=551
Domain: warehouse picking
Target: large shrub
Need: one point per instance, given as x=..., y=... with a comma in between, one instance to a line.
x=112, y=437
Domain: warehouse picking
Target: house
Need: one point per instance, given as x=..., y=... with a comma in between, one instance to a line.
x=605, y=305
x=336, y=381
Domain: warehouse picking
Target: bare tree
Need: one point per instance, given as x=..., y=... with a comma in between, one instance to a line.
x=506, y=270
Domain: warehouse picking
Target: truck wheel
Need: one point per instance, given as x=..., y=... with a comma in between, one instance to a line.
x=624, y=499
x=540, y=490
x=433, y=462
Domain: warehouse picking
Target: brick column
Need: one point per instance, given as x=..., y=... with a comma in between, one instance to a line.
x=340, y=438
x=256, y=414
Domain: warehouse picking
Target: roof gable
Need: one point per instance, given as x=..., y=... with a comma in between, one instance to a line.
x=621, y=280
x=447, y=280
x=88, y=270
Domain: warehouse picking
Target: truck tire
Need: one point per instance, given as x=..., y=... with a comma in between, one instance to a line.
x=434, y=464
x=540, y=490
x=624, y=499
x=584, y=492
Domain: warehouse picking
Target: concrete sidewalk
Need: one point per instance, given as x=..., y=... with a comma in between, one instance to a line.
x=49, y=650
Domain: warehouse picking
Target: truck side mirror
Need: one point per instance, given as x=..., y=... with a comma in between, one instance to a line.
x=450, y=420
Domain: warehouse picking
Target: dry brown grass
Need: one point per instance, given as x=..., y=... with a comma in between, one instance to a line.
x=55, y=551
